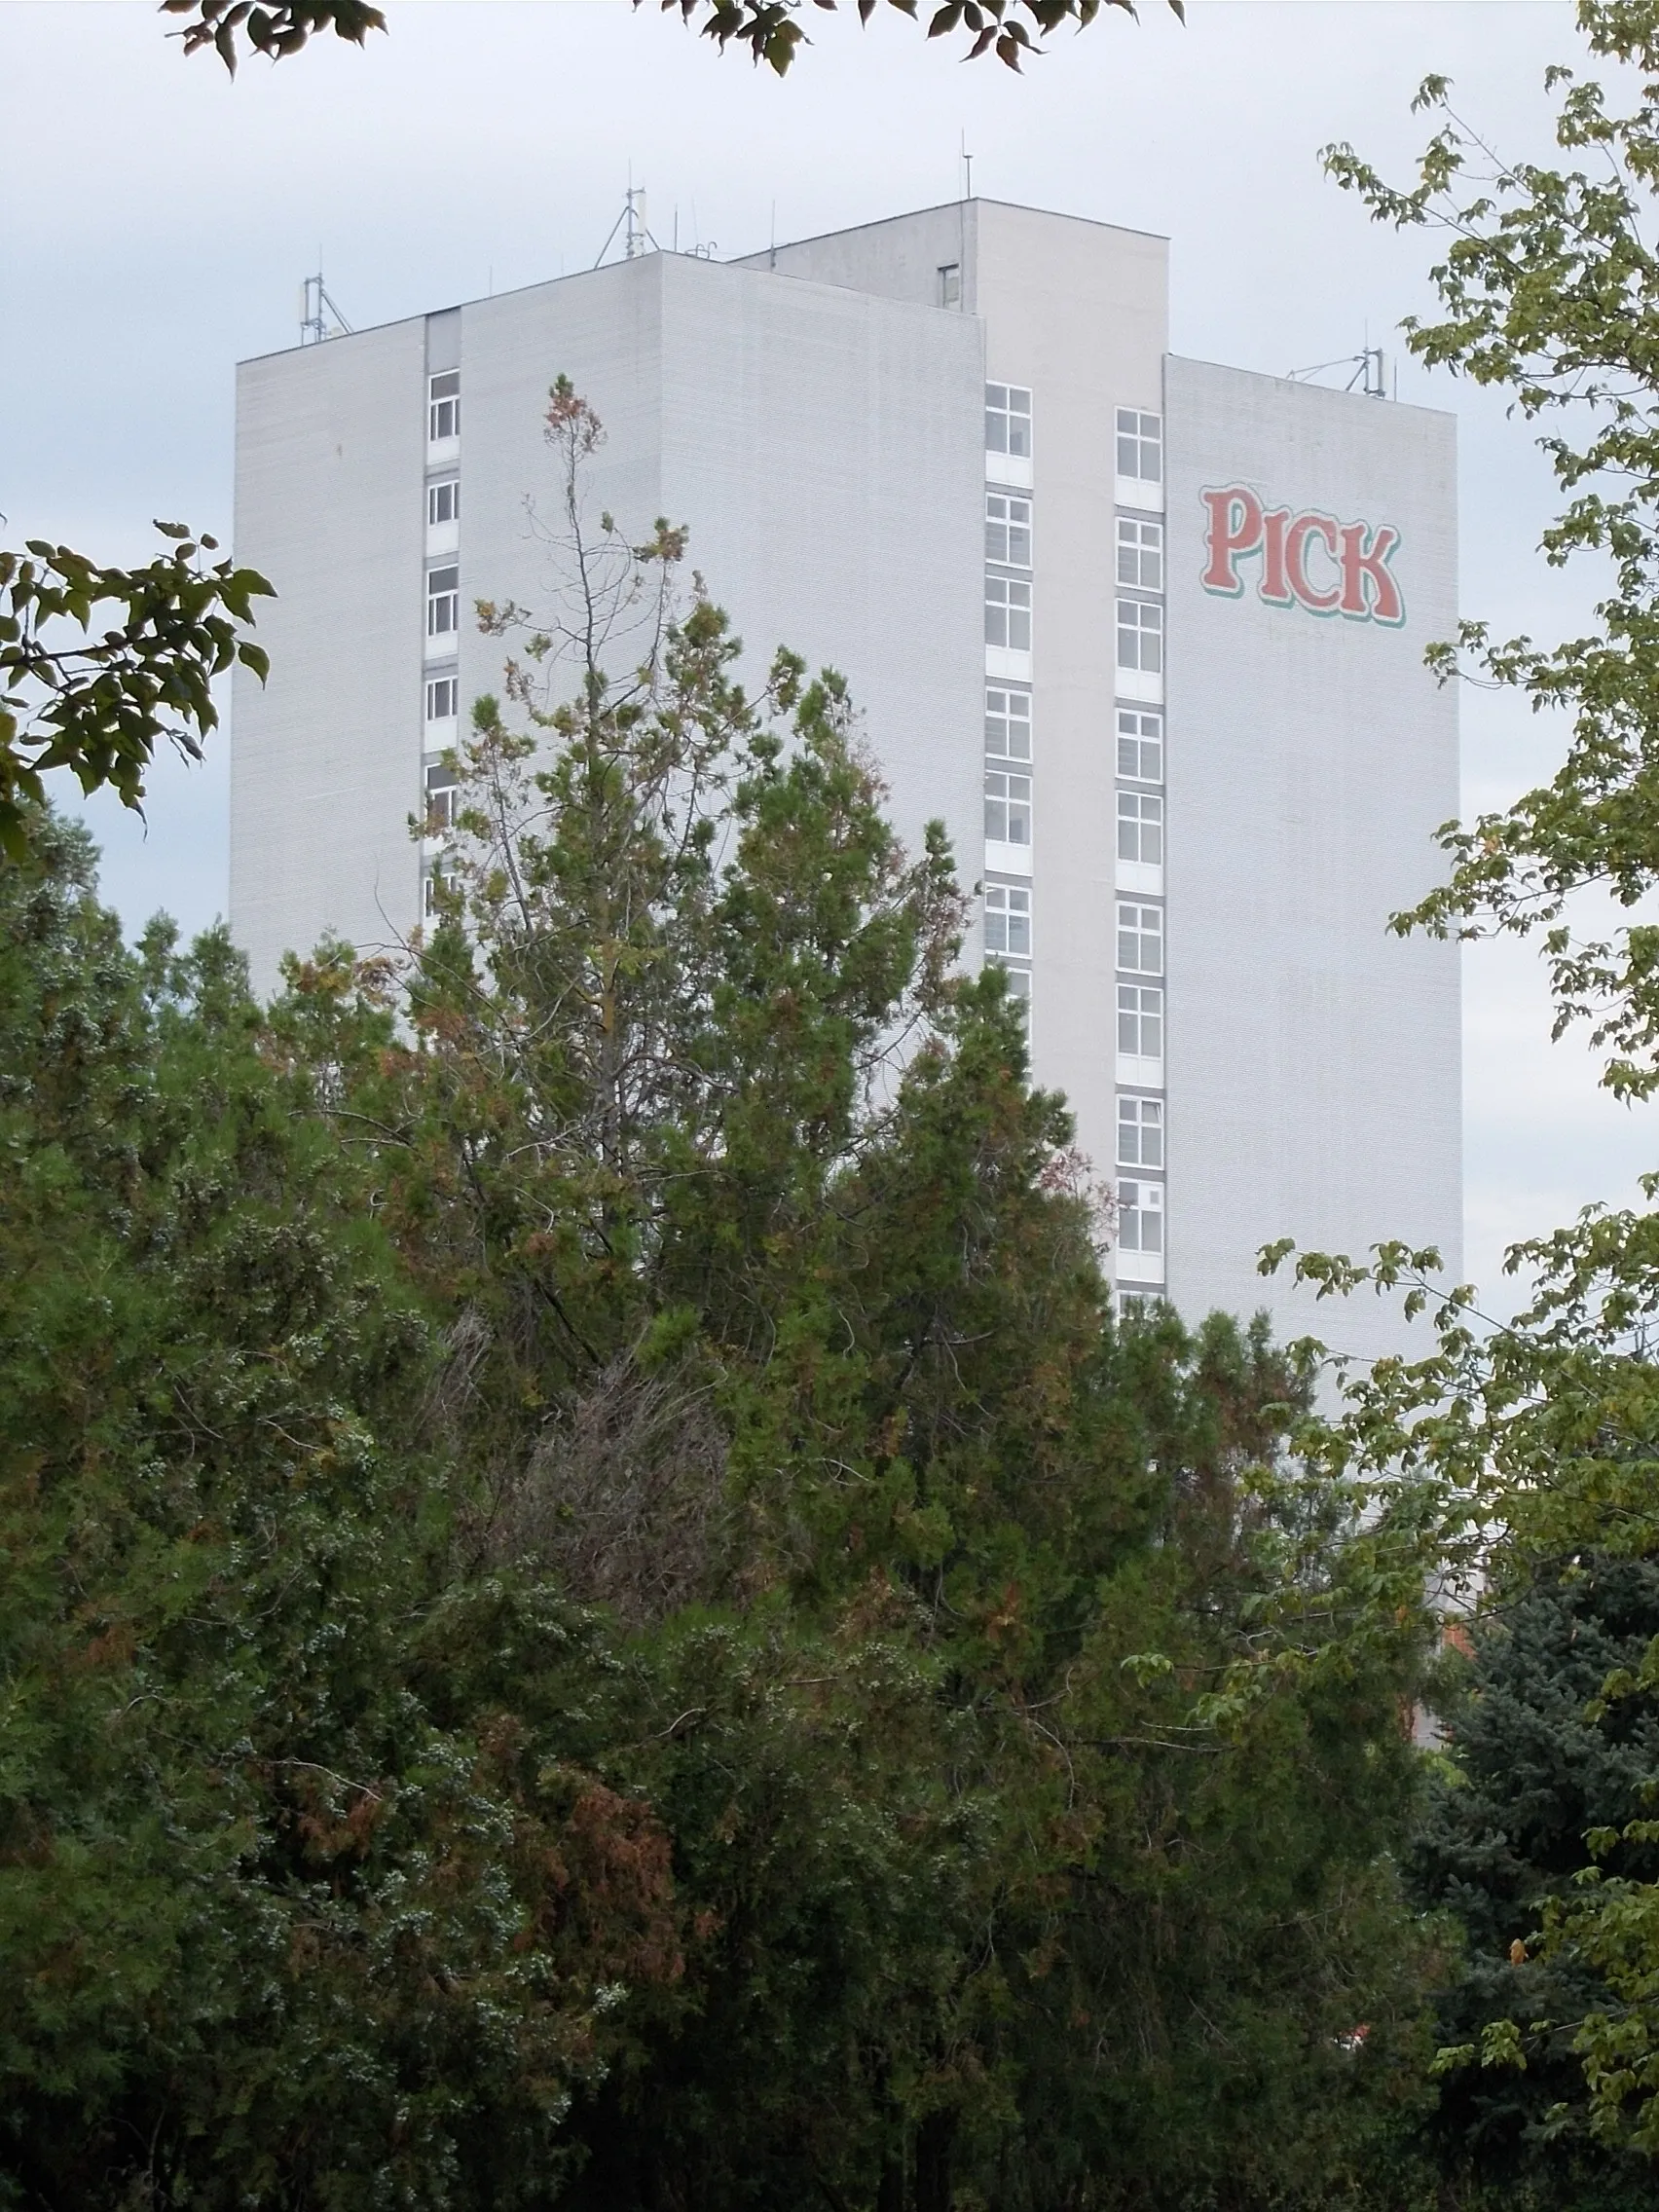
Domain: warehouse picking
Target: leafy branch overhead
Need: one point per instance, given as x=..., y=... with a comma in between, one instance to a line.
x=99, y=703
x=771, y=29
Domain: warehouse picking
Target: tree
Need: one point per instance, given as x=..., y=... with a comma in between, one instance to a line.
x=598, y=1609
x=1540, y=1761
x=978, y=1650
x=1537, y=1434
x=771, y=29
x=100, y=706
x=269, y=1929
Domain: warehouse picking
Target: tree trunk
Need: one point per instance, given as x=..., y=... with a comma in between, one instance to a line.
x=933, y=2161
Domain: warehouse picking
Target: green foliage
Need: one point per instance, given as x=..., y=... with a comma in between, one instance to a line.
x=1543, y=1760
x=268, y=1932
x=1551, y=292
x=602, y=1612
x=770, y=29
x=99, y=705
x=1533, y=1442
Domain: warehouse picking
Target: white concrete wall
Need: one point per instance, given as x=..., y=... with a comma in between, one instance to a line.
x=1313, y=1061
x=324, y=761
x=1077, y=312
x=825, y=447
x=814, y=416
x=822, y=446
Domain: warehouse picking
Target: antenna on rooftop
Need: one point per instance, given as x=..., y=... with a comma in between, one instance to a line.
x=967, y=168
x=1368, y=372
x=631, y=222
x=315, y=308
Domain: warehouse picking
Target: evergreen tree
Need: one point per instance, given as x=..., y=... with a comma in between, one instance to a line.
x=268, y=1932
x=1538, y=1760
x=601, y=1611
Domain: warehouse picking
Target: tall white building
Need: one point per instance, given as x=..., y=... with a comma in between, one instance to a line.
x=1146, y=633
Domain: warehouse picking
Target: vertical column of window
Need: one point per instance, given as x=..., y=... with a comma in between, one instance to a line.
x=1139, y=625
x=1140, y=1114
x=1138, y=799
x=1008, y=586
x=1007, y=832
x=441, y=705
x=1008, y=610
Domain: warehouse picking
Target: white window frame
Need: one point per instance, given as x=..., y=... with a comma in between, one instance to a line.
x=1140, y=1134
x=1008, y=819
x=1140, y=635
x=443, y=790
x=1008, y=920
x=443, y=409
x=1007, y=530
x=1140, y=930
x=443, y=698
x=1140, y=650
x=1140, y=1024
x=1140, y=827
x=1132, y=733
x=1008, y=614
x=1138, y=864
x=1140, y=441
x=443, y=605
x=1140, y=1236
x=1140, y=553
x=1008, y=722
x=1008, y=421
x=443, y=502
x=950, y=285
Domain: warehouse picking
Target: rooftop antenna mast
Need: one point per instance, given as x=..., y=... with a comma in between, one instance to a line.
x=1368, y=372
x=631, y=222
x=967, y=168
x=316, y=305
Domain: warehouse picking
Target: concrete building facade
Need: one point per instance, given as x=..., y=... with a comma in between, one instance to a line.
x=1147, y=633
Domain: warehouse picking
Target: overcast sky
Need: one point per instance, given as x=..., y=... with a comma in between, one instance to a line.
x=160, y=220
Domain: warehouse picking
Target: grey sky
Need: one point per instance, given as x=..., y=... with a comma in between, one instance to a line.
x=161, y=219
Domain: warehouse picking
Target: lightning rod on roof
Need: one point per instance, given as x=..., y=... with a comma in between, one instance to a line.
x=631, y=222
x=1368, y=374
x=316, y=305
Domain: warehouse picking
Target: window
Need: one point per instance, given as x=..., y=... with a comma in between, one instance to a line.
x=1008, y=722
x=1140, y=747
x=1140, y=554
x=1008, y=808
x=950, y=285
x=1140, y=938
x=443, y=502
x=1008, y=614
x=443, y=602
x=1140, y=445
x=1140, y=1216
x=430, y=883
x=443, y=406
x=1140, y=1305
x=443, y=699
x=1141, y=1133
x=1007, y=530
x=1008, y=920
x=1008, y=419
x=443, y=792
x=1140, y=832
x=1140, y=1021
x=1019, y=983
x=1140, y=635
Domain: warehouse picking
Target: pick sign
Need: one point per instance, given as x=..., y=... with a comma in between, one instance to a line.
x=1308, y=560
